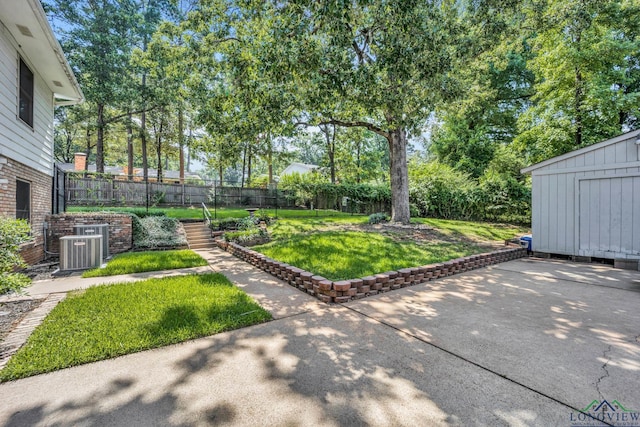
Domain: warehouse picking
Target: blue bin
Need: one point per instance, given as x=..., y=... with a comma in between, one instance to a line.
x=525, y=242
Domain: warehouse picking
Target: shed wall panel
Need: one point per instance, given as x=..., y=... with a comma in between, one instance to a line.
x=578, y=205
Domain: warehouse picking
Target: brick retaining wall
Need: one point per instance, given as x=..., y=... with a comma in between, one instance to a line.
x=120, y=231
x=346, y=290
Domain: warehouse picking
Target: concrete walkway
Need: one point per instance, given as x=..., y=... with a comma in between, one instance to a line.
x=521, y=343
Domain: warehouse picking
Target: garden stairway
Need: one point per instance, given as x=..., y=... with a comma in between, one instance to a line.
x=198, y=235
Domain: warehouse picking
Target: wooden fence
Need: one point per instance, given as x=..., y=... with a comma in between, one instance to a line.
x=91, y=191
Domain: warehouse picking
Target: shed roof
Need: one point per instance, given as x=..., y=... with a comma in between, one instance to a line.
x=611, y=141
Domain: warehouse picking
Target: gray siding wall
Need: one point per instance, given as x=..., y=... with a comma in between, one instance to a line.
x=18, y=141
x=589, y=204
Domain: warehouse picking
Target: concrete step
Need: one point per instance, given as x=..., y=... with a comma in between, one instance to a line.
x=202, y=245
x=198, y=241
x=195, y=234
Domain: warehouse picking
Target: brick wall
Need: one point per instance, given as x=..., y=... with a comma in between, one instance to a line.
x=41, y=186
x=120, y=232
x=346, y=290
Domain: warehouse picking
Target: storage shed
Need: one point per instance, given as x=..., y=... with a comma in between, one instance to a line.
x=586, y=203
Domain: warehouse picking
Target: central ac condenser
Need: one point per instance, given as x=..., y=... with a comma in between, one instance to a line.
x=80, y=252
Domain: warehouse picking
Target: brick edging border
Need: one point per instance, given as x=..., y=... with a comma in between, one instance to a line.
x=346, y=290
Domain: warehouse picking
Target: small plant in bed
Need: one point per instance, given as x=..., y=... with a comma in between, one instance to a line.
x=248, y=233
x=108, y=321
x=154, y=232
x=138, y=262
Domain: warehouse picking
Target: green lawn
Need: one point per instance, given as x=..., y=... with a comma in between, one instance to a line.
x=470, y=229
x=196, y=212
x=137, y=262
x=317, y=244
x=339, y=255
x=108, y=321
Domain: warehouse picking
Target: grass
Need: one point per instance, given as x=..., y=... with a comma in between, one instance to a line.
x=339, y=255
x=196, y=212
x=108, y=321
x=315, y=245
x=470, y=229
x=138, y=262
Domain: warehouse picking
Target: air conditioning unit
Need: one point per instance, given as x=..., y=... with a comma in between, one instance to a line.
x=92, y=230
x=80, y=252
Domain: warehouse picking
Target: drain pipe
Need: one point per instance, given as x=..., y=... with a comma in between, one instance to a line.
x=45, y=227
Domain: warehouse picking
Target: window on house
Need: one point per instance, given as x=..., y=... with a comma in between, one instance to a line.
x=25, y=99
x=23, y=200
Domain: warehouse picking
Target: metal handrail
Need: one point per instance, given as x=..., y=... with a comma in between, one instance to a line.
x=206, y=215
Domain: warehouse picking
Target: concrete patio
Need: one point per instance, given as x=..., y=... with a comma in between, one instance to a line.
x=528, y=342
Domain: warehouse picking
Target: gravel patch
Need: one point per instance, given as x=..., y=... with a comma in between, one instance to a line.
x=12, y=312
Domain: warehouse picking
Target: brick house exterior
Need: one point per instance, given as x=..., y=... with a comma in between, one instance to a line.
x=34, y=79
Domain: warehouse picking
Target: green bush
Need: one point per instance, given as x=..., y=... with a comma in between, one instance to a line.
x=224, y=224
x=307, y=188
x=438, y=190
x=255, y=235
x=155, y=232
x=13, y=232
x=263, y=215
x=143, y=213
x=378, y=218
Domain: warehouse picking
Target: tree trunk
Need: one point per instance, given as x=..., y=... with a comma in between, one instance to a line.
x=181, y=143
x=270, y=159
x=399, y=176
x=221, y=172
x=89, y=146
x=130, y=148
x=143, y=138
x=578, y=108
x=159, y=153
x=358, y=162
x=249, y=167
x=244, y=164
x=100, y=140
x=143, y=145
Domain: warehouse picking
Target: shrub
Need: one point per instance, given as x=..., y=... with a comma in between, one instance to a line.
x=438, y=190
x=248, y=237
x=378, y=218
x=143, y=213
x=263, y=215
x=307, y=189
x=155, y=232
x=223, y=224
x=13, y=232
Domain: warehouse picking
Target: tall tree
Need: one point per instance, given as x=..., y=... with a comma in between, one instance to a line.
x=97, y=38
x=586, y=56
x=356, y=64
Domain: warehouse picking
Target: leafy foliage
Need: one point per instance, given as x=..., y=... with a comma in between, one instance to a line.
x=440, y=191
x=378, y=217
x=13, y=232
x=153, y=232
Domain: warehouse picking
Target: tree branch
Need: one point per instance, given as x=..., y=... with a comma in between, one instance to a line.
x=122, y=116
x=365, y=125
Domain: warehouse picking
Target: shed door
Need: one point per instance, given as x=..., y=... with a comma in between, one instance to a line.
x=609, y=217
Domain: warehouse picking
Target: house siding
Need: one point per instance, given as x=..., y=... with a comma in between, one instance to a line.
x=26, y=153
x=589, y=204
x=32, y=147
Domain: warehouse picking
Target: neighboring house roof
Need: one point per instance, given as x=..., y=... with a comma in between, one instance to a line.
x=614, y=140
x=119, y=170
x=27, y=23
x=298, y=167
